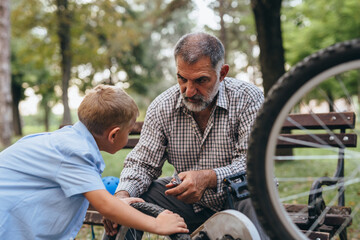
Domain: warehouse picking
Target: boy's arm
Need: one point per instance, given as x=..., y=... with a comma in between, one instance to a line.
x=111, y=228
x=118, y=211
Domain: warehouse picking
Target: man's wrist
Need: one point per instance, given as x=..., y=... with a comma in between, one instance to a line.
x=210, y=178
x=122, y=194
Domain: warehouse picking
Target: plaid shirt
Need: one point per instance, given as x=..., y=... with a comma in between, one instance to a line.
x=171, y=133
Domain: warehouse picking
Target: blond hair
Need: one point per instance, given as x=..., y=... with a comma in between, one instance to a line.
x=106, y=106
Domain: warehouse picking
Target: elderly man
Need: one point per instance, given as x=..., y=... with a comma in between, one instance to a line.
x=201, y=126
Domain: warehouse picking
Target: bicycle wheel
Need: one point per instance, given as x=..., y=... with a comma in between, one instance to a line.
x=152, y=210
x=305, y=89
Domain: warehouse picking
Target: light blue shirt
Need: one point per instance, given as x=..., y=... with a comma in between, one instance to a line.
x=42, y=178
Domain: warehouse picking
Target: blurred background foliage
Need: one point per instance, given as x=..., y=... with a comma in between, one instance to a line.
x=57, y=45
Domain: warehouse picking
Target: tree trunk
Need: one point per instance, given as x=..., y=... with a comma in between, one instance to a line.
x=331, y=100
x=5, y=82
x=64, y=22
x=46, y=116
x=268, y=26
x=358, y=87
x=16, y=91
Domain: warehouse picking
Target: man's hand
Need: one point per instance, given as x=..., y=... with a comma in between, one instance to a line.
x=193, y=186
x=111, y=227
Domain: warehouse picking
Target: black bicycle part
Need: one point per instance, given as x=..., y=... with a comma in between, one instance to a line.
x=236, y=187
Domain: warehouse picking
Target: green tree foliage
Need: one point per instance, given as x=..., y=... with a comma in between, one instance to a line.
x=236, y=29
x=122, y=41
x=312, y=25
x=34, y=51
x=251, y=33
x=27, y=74
x=112, y=41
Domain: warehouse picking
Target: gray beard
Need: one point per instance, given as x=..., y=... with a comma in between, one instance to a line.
x=204, y=103
x=196, y=107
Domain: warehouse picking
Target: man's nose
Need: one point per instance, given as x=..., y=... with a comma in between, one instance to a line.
x=190, y=90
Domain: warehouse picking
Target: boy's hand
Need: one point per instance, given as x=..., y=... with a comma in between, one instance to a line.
x=168, y=223
x=111, y=228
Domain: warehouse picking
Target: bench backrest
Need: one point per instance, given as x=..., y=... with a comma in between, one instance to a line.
x=333, y=121
x=301, y=131
x=134, y=131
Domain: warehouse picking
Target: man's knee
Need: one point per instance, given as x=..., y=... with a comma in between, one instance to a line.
x=156, y=193
x=245, y=206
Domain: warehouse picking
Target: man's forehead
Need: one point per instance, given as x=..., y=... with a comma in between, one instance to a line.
x=203, y=61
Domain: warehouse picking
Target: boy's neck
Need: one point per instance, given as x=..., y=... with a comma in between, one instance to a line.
x=101, y=142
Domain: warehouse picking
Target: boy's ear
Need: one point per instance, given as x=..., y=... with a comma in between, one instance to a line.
x=112, y=134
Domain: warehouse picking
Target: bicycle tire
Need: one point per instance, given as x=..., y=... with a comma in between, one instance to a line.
x=151, y=210
x=281, y=98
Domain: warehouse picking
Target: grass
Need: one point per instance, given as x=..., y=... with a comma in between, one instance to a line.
x=114, y=164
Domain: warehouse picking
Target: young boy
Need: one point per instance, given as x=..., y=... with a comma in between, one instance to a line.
x=48, y=179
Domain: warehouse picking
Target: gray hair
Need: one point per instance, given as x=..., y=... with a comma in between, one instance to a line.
x=193, y=46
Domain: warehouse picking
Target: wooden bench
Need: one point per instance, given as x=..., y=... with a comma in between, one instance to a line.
x=304, y=215
x=293, y=136
x=299, y=213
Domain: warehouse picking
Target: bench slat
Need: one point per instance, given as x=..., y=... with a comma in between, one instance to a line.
x=93, y=217
x=344, y=120
x=318, y=235
x=335, y=216
x=131, y=143
x=136, y=128
x=292, y=140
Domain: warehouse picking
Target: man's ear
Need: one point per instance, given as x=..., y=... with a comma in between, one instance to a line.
x=224, y=71
x=112, y=134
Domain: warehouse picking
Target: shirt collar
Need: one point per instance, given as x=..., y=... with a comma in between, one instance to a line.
x=220, y=102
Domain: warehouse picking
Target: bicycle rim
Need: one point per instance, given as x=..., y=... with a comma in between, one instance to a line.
x=295, y=173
